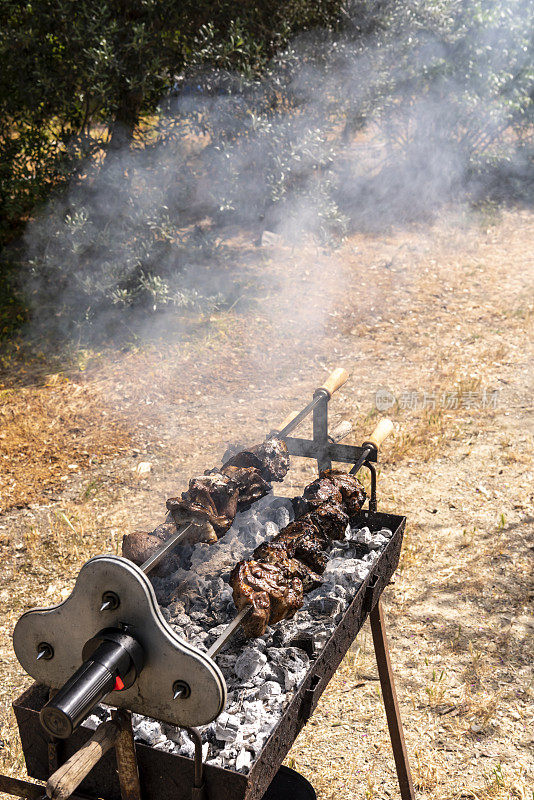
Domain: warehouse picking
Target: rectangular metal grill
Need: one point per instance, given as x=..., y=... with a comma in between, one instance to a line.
x=164, y=775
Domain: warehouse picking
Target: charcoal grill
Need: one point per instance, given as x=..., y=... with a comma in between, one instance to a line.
x=116, y=768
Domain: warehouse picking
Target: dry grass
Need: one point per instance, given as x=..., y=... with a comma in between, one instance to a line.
x=48, y=431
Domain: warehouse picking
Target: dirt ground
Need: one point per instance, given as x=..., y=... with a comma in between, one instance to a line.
x=438, y=320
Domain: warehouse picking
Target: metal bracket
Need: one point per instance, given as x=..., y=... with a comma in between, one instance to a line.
x=198, y=790
x=369, y=596
x=322, y=448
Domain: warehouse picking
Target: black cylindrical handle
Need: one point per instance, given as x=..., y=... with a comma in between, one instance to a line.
x=76, y=699
x=113, y=660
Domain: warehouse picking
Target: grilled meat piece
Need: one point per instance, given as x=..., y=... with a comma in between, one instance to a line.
x=338, y=487
x=213, y=499
x=320, y=491
x=302, y=540
x=253, y=584
x=275, y=591
x=274, y=580
x=301, y=557
x=351, y=489
x=251, y=485
x=210, y=499
x=270, y=458
x=330, y=518
x=139, y=546
x=274, y=457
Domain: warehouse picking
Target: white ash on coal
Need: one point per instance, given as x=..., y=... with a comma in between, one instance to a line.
x=262, y=674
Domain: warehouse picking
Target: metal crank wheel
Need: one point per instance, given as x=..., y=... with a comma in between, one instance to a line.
x=108, y=640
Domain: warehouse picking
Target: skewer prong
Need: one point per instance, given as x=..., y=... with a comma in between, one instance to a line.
x=169, y=545
x=228, y=632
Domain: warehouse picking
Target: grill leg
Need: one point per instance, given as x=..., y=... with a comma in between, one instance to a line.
x=385, y=673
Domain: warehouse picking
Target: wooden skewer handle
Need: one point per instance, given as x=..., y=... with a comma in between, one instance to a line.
x=381, y=432
x=65, y=780
x=335, y=380
x=341, y=430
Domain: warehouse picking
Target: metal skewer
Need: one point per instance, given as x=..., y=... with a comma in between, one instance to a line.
x=361, y=461
x=336, y=379
x=381, y=432
x=169, y=545
x=228, y=632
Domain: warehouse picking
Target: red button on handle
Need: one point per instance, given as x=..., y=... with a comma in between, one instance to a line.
x=119, y=684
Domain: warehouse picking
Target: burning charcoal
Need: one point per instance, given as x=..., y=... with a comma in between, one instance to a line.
x=167, y=746
x=269, y=689
x=176, y=735
x=320, y=638
x=282, y=517
x=363, y=537
x=188, y=748
x=329, y=606
x=249, y=663
x=92, y=722
x=253, y=711
x=386, y=532
x=217, y=761
x=243, y=761
x=271, y=672
x=370, y=557
x=149, y=731
x=226, y=727
x=378, y=541
x=271, y=529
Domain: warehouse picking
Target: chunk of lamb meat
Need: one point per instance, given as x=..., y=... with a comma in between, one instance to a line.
x=331, y=519
x=337, y=487
x=270, y=458
x=302, y=540
x=275, y=591
x=139, y=546
x=320, y=491
x=265, y=588
x=251, y=485
x=210, y=502
x=351, y=489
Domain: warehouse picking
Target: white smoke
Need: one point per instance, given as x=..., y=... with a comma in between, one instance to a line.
x=344, y=133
